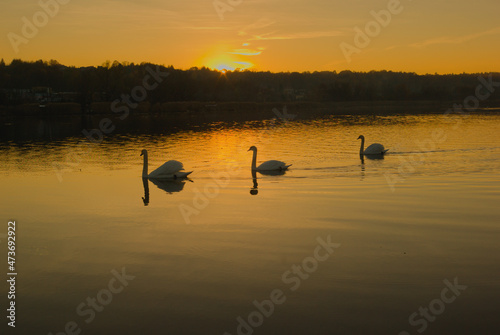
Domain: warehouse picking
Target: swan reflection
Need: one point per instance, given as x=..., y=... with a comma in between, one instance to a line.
x=370, y=157
x=168, y=185
x=362, y=157
x=254, y=190
x=375, y=157
x=271, y=173
x=145, y=198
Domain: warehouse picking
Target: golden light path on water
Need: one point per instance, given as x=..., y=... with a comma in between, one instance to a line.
x=207, y=247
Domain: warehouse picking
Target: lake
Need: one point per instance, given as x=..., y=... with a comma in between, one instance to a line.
x=402, y=245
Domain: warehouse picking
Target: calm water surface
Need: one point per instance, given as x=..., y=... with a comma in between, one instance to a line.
x=200, y=254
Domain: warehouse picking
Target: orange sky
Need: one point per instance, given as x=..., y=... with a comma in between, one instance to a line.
x=423, y=36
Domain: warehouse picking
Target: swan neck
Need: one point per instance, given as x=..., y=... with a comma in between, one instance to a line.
x=254, y=160
x=145, y=167
x=362, y=146
x=145, y=183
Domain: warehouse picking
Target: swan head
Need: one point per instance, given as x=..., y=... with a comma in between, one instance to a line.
x=361, y=137
x=252, y=148
x=144, y=152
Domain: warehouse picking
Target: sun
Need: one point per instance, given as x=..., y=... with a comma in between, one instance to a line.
x=225, y=62
x=221, y=63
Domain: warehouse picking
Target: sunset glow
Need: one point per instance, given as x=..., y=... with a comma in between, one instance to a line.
x=250, y=167
x=224, y=61
x=421, y=37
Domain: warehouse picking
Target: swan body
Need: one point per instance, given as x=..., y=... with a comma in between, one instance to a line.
x=372, y=149
x=169, y=185
x=272, y=165
x=169, y=170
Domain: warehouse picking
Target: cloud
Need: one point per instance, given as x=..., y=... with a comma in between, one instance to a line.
x=204, y=28
x=295, y=36
x=260, y=24
x=245, y=52
x=455, y=40
x=246, y=64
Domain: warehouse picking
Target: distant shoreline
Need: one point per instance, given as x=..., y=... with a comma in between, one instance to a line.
x=258, y=109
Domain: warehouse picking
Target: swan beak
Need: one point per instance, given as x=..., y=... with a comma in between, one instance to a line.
x=359, y=137
x=141, y=153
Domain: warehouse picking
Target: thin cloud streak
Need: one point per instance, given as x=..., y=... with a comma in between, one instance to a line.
x=245, y=52
x=205, y=28
x=455, y=40
x=296, y=36
x=260, y=24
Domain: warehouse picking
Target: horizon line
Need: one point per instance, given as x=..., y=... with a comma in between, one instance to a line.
x=252, y=69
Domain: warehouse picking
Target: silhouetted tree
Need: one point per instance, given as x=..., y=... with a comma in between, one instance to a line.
x=111, y=80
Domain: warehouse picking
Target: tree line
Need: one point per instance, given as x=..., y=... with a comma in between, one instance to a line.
x=112, y=80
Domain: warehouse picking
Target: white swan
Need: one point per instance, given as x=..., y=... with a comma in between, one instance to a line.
x=271, y=165
x=373, y=149
x=169, y=170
